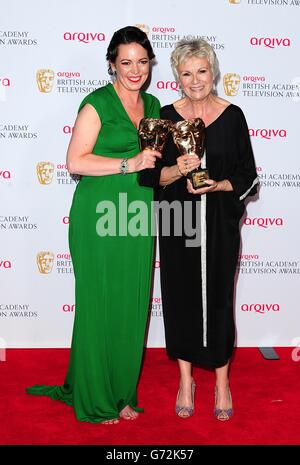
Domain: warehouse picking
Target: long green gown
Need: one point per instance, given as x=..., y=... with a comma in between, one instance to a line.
x=112, y=275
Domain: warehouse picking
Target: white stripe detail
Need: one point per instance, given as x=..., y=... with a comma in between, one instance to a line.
x=256, y=181
x=203, y=258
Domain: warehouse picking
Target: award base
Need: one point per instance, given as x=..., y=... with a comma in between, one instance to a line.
x=198, y=178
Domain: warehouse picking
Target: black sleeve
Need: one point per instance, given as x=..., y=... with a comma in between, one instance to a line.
x=244, y=179
x=150, y=177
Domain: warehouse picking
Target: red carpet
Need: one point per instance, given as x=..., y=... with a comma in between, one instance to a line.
x=265, y=398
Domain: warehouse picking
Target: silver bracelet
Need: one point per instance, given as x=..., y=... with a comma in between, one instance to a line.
x=124, y=166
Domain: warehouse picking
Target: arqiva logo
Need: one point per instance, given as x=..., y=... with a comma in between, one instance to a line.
x=263, y=222
x=249, y=256
x=167, y=85
x=5, y=174
x=5, y=264
x=68, y=129
x=254, y=78
x=260, y=308
x=5, y=82
x=68, y=308
x=268, y=133
x=64, y=256
x=270, y=42
x=85, y=37
x=163, y=29
x=68, y=74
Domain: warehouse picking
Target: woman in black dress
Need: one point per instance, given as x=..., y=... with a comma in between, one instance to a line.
x=197, y=280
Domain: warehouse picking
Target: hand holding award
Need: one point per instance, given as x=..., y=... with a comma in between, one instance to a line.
x=188, y=135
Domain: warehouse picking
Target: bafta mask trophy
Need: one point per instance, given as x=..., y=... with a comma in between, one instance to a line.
x=188, y=136
x=153, y=133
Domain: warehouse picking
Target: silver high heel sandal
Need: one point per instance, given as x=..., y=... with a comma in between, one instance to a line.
x=185, y=412
x=222, y=414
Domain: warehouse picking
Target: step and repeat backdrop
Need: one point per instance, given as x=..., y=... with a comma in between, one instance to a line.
x=51, y=56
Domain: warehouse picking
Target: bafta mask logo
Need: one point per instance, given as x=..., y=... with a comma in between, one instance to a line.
x=144, y=27
x=45, y=262
x=45, y=80
x=234, y=2
x=45, y=170
x=231, y=82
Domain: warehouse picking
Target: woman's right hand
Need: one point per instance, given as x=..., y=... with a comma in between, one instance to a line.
x=144, y=159
x=187, y=163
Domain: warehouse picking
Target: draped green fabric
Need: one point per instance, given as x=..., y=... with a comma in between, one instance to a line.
x=112, y=276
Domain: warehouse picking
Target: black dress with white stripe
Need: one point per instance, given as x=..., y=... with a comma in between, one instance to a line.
x=199, y=319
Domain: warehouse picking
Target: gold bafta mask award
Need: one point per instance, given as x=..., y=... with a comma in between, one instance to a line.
x=153, y=133
x=188, y=136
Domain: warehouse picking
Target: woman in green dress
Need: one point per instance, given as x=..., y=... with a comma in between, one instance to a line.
x=111, y=250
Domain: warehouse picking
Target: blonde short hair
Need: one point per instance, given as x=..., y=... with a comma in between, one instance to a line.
x=194, y=48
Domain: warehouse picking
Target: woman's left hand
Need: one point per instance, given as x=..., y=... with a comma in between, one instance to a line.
x=214, y=186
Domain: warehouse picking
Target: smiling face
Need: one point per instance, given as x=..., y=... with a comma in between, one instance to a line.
x=132, y=66
x=195, y=77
